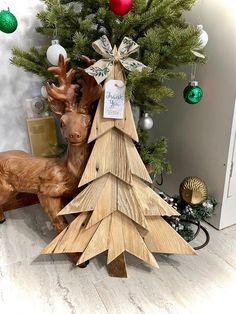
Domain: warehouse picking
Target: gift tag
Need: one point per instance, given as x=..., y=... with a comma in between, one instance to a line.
x=114, y=101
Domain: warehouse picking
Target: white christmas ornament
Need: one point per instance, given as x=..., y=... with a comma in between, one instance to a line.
x=146, y=122
x=203, y=39
x=203, y=36
x=44, y=92
x=54, y=51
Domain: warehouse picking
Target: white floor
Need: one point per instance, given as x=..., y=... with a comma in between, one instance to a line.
x=42, y=285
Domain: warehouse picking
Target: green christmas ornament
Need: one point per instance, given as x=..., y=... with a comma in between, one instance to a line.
x=193, y=93
x=8, y=22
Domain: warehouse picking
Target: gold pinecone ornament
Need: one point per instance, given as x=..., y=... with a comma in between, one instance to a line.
x=193, y=190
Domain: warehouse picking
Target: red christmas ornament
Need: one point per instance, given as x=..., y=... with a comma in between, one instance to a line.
x=121, y=7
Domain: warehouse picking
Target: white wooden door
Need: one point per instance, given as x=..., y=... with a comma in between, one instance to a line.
x=228, y=210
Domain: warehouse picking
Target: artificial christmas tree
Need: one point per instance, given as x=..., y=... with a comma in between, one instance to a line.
x=118, y=211
x=166, y=41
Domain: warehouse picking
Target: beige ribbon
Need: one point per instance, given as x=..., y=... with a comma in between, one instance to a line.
x=102, y=68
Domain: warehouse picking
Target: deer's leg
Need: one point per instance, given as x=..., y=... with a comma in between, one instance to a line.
x=4, y=197
x=52, y=206
x=2, y=217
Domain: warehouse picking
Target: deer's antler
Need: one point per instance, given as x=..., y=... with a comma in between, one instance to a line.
x=62, y=98
x=91, y=91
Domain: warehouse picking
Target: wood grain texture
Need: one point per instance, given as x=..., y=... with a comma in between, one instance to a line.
x=162, y=238
x=128, y=204
x=99, y=241
x=109, y=155
x=87, y=199
x=134, y=243
x=74, y=238
x=127, y=125
x=100, y=124
x=151, y=203
x=117, y=268
x=116, y=245
x=107, y=202
x=136, y=164
x=120, y=158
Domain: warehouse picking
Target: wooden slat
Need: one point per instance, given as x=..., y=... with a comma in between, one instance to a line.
x=49, y=249
x=134, y=243
x=74, y=238
x=128, y=204
x=87, y=199
x=100, y=124
x=136, y=164
x=99, y=241
x=127, y=125
x=151, y=203
x=117, y=268
x=116, y=244
x=107, y=202
x=162, y=238
x=109, y=155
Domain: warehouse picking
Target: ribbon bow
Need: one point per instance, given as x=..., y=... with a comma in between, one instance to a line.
x=102, y=68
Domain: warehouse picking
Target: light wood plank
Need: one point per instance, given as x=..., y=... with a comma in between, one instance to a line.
x=162, y=238
x=151, y=203
x=116, y=244
x=117, y=268
x=87, y=199
x=50, y=248
x=107, y=202
x=74, y=238
x=134, y=243
x=100, y=124
x=136, y=164
x=109, y=155
x=99, y=241
x=127, y=125
x=128, y=203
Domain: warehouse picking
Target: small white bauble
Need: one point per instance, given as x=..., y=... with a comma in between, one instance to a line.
x=146, y=122
x=203, y=36
x=54, y=51
x=44, y=92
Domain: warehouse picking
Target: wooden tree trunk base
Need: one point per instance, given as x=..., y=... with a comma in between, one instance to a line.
x=2, y=217
x=117, y=268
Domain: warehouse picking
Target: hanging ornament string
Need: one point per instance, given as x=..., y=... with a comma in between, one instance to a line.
x=102, y=68
x=193, y=72
x=193, y=93
x=55, y=49
x=55, y=32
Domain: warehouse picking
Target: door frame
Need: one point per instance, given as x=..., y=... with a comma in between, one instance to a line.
x=228, y=209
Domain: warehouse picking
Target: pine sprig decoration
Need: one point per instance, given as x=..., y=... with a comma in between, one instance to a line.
x=154, y=154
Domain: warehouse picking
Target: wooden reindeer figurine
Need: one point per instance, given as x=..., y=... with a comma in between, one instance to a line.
x=53, y=179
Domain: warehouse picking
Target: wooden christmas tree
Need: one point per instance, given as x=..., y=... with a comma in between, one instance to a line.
x=117, y=210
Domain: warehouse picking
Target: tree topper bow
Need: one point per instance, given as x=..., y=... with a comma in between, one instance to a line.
x=102, y=68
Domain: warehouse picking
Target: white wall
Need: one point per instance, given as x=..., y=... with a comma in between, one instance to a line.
x=199, y=134
x=15, y=84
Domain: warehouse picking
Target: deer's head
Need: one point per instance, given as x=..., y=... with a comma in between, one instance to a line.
x=75, y=118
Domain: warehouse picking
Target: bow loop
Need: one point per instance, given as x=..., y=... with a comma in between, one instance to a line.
x=102, y=68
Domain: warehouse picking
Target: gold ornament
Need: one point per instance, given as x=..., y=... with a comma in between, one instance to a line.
x=193, y=190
